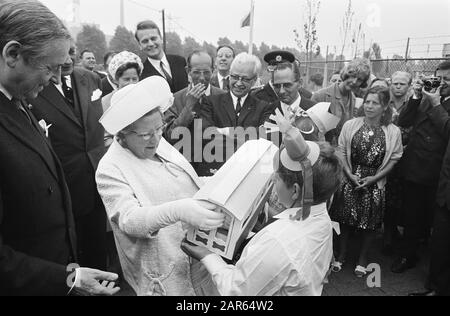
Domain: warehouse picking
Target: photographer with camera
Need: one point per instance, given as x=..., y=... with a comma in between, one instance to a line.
x=426, y=112
x=439, y=274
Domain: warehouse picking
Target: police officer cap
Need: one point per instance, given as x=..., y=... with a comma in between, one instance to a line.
x=278, y=57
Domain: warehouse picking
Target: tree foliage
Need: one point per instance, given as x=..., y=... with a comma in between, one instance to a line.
x=92, y=38
x=174, y=44
x=124, y=40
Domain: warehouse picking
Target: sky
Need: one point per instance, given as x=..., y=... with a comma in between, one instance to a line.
x=388, y=22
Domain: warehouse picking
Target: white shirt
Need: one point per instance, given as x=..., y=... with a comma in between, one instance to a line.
x=221, y=79
x=235, y=100
x=157, y=64
x=293, y=108
x=287, y=258
x=5, y=92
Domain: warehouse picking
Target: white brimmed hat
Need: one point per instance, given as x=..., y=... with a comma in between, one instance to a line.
x=324, y=120
x=134, y=101
x=297, y=150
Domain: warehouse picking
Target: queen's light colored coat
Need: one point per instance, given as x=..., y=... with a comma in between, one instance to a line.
x=152, y=262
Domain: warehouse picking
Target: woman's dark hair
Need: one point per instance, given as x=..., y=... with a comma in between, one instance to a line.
x=379, y=80
x=384, y=95
x=125, y=67
x=327, y=174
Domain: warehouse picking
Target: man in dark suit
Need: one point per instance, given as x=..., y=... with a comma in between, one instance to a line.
x=157, y=63
x=421, y=167
x=224, y=58
x=37, y=233
x=223, y=113
x=180, y=130
x=439, y=274
x=73, y=108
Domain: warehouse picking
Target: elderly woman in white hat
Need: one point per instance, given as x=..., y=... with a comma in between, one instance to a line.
x=147, y=188
x=291, y=256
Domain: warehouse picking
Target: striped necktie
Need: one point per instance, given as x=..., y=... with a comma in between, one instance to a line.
x=166, y=74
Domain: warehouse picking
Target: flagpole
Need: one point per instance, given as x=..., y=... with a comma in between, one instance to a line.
x=252, y=16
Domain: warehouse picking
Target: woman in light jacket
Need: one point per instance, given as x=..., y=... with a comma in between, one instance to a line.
x=147, y=188
x=370, y=147
x=342, y=95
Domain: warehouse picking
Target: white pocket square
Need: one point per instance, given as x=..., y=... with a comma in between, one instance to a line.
x=45, y=127
x=97, y=94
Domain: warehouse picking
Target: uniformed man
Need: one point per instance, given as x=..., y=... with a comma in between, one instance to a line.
x=267, y=92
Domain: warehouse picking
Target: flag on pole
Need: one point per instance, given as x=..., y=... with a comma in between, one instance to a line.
x=246, y=21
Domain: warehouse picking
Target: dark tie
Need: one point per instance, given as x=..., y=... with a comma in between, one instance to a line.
x=21, y=108
x=226, y=84
x=68, y=92
x=166, y=74
x=238, y=107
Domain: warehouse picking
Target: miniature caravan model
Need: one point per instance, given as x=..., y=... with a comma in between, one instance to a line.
x=240, y=189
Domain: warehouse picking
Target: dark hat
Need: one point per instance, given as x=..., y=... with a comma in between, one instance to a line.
x=278, y=57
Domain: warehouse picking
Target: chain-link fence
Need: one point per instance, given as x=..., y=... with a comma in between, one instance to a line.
x=381, y=68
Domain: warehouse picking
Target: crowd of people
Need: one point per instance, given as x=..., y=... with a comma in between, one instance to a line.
x=98, y=171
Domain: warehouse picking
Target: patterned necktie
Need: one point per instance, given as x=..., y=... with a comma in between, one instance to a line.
x=238, y=107
x=226, y=84
x=166, y=74
x=68, y=92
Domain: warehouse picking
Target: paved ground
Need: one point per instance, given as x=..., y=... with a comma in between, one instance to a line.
x=345, y=283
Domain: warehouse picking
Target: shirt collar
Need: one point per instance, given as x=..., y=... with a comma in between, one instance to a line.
x=5, y=92
x=294, y=106
x=157, y=62
x=220, y=77
x=316, y=210
x=208, y=91
x=235, y=99
x=447, y=98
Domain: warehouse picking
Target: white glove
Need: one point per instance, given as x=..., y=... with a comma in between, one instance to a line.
x=192, y=212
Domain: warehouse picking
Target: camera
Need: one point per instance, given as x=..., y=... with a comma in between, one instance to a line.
x=431, y=83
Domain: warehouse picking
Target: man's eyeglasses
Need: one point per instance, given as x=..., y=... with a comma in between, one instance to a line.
x=148, y=136
x=53, y=70
x=242, y=79
x=286, y=85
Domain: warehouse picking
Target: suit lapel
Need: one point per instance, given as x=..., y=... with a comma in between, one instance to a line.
x=215, y=81
x=149, y=70
x=246, y=110
x=30, y=135
x=54, y=97
x=227, y=104
x=270, y=92
x=81, y=95
x=304, y=104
